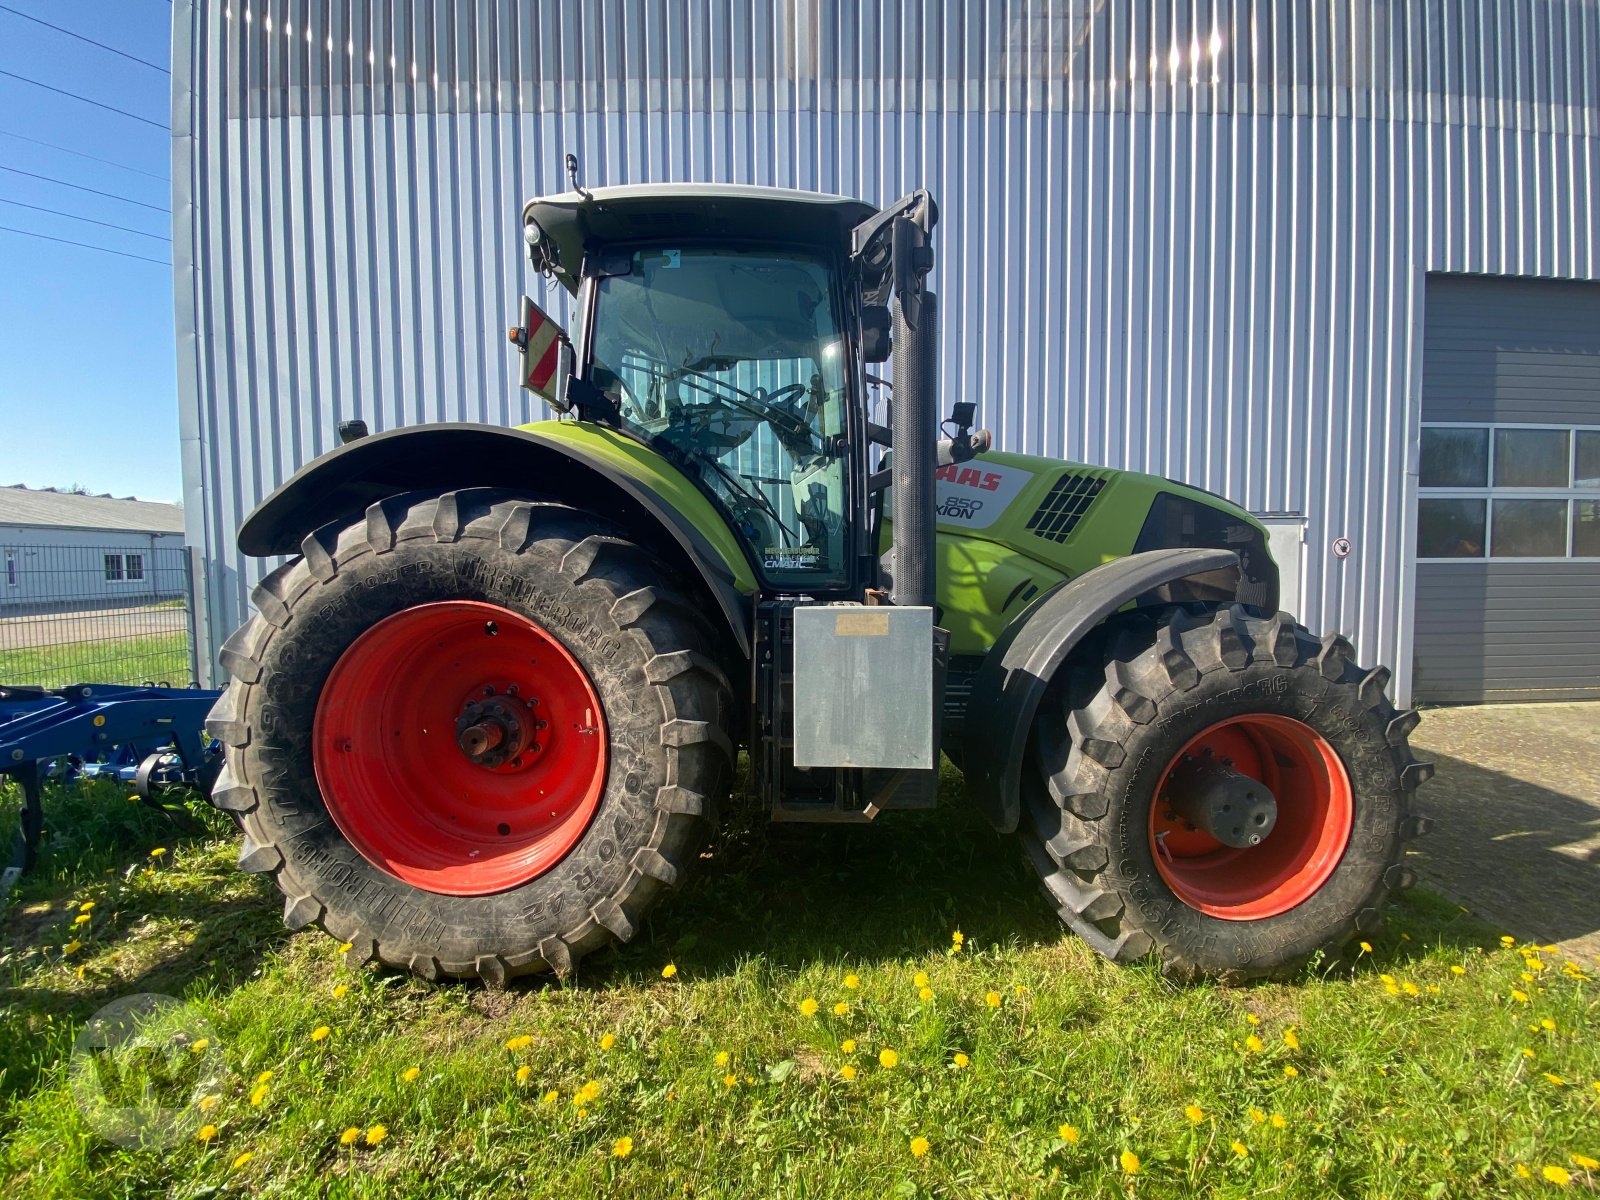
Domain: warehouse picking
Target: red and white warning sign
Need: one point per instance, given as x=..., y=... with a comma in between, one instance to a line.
x=540, y=341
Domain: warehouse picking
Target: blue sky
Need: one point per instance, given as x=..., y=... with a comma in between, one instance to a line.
x=88, y=391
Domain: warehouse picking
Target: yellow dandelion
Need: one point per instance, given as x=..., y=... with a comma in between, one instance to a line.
x=1366, y=947
x=341, y=990
x=919, y=1147
x=1290, y=1072
x=668, y=971
x=158, y=852
x=622, y=1147
x=207, y=1103
x=1527, y=977
x=1241, y=1149
x=376, y=1134
x=1555, y=1079
x=1526, y=1052
x=992, y=999
x=588, y=1093
x=1547, y=1024
x=523, y=1073
x=808, y=1007
x=1523, y=1172
x=1195, y=1113
x=259, y=1095
x=1386, y=978
x=242, y=1161
x=841, y=1009
x=1257, y=1116
x=958, y=938
x=550, y=1097
x=1291, y=1039
x=1069, y=1134
x=848, y=1045
x=1254, y=1044
x=1252, y=1018
x=520, y=1042
x=1534, y=964
x=1520, y=996
x=583, y=1114
x=199, y=1045
x=847, y=1072
x=961, y=1061
x=82, y=919
x=926, y=994
x=888, y=1059
x=1278, y=1121
x=1584, y=1162
x=207, y=1132
x=350, y=1136
x=1410, y=988
x=729, y=1080
x=1507, y=940
x=1129, y=1161
x=346, y=947
x=72, y=947
x=410, y=1074
x=86, y=906
x=1458, y=969
x=721, y=1059
x=607, y=1040
x=920, y=979
x=320, y=1033
x=852, y=982
x=1559, y=1176
x=1392, y=988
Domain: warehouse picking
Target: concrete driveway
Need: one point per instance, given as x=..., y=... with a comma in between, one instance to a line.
x=1516, y=818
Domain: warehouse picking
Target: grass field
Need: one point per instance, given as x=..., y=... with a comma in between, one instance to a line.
x=1439, y=1063
x=160, y=657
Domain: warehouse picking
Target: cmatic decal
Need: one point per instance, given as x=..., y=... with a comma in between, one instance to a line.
x=973, y=495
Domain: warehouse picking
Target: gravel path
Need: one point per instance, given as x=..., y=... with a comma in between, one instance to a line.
x=1516, y=818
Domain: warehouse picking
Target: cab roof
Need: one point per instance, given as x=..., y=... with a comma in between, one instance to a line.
x=574, y=220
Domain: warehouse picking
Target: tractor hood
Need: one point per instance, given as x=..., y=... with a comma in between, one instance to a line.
x=569, y=222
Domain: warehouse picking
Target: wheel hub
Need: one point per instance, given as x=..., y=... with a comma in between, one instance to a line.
x=493, y=730
x=1208, y=794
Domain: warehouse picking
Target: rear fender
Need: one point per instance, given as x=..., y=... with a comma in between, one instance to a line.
x=1016, y=671
x=345, y=481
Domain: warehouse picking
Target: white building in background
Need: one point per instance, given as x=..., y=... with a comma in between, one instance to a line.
x=65, y=552
x=1335, y=259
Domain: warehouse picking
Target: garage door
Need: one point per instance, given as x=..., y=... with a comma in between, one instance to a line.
x=1508, y=512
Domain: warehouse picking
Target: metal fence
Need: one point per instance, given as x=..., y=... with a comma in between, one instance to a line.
x=95, y=614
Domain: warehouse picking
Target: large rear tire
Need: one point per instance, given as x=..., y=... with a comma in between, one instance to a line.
x=472, y=734
x=1272, y=703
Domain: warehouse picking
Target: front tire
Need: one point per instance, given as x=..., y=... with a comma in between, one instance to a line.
x=1275, y=704
x=472, y=734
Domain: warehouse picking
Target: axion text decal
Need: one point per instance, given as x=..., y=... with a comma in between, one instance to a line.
x=974, y=494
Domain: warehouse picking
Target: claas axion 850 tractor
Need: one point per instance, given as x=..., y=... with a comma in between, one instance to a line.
x=489, y=710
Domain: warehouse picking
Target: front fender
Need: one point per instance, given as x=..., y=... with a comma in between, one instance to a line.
x=345, y=481
x=1018, y=668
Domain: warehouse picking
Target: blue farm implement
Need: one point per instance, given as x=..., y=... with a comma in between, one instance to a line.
x=150, y=738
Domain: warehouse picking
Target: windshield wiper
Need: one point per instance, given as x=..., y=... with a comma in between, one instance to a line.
x=731, y=478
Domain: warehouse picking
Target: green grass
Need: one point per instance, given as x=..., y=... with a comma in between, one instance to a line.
x=1425, y=1094
x=134, y=660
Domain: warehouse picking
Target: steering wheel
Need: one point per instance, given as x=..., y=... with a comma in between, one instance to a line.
x=782, y=396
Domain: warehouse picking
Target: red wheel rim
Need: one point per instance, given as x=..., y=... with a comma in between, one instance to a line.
x=405, y=710
x=1315, y=816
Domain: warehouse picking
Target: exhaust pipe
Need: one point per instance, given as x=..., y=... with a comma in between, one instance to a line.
x=914, y=408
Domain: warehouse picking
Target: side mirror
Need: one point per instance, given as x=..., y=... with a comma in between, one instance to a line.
x=875, y=342
x=546, y=355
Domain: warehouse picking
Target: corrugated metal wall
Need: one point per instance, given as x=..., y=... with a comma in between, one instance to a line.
x=1187, y=238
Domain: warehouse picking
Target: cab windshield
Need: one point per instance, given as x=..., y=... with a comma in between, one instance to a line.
x=731, y=364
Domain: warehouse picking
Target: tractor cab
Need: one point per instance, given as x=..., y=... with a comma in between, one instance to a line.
x=726, y=346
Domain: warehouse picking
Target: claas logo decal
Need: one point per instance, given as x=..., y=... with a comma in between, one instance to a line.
x=987, y=481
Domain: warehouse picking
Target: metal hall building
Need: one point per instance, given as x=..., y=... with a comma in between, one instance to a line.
x=1338, y=260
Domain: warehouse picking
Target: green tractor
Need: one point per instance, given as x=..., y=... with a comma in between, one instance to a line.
x=489, y=710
